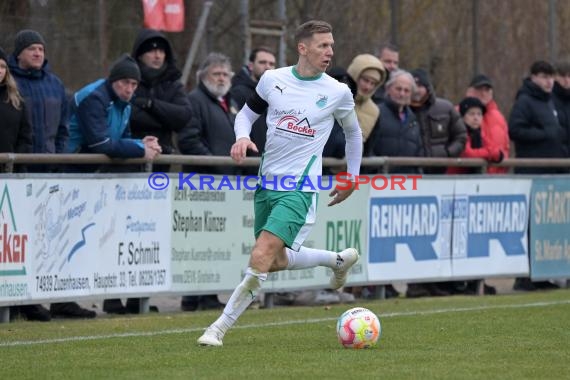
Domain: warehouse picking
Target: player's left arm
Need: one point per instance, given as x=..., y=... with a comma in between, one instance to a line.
x=353, y=152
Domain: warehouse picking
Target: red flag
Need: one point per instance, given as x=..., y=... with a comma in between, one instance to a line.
x=173, y=15
x=167, y=15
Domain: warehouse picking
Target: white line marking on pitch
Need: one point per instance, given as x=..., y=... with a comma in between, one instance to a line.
x=273, y=324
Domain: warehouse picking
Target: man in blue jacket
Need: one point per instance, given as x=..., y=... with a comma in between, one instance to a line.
x=100, y=116
x=100, y=124
x=47, y=114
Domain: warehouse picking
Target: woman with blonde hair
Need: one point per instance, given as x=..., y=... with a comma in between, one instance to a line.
x=15, y=131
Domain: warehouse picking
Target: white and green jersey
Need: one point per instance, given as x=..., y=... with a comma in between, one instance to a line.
x=300, y=117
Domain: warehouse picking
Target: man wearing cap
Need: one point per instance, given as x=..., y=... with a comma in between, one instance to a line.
x=443, y=131
x=100, y=116
x=494, y=125
x=160, y=104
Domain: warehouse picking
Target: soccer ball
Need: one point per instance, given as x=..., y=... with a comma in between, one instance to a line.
x=358, y=328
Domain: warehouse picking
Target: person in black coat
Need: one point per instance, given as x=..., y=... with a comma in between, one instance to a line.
x=210, y=133
x=16, y=137
x=398, y=134
x=160, y=104
x=16, y=132
x=243, y=88
x=561, y=97
x=534, y=126
x=211, y=130
x=535, y=129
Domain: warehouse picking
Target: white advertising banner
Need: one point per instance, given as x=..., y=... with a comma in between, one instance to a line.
x=212, y=237
x=490, y=222
x=410, y=231
x=16, y=254
x=89, y=236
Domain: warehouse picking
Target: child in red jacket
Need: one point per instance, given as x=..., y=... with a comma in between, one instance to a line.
x=478, y=144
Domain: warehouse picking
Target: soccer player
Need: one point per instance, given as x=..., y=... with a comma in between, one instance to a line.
x=302, y=103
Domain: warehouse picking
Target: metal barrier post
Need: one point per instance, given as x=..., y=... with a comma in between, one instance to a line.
x=4, y=314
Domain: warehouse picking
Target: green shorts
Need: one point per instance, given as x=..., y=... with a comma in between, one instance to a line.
x=290, y=215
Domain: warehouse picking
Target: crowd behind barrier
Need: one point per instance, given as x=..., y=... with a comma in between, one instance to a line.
x=347, y=225
x=140, y=114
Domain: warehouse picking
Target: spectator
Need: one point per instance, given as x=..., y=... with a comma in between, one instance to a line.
x=100, y=124
x=398, y=134
x=443, y=135
x=46, y=106
x=336, y=142
x=160, y=105
x=561, y=96
x=533, y=124
x=480, y=143
x=243, y=88
x=389, y=55
x=493, y=126
x=369, y=74
x=443, y=131
x=211, y=132
x=16, y=133
x=536, y=131
x=100, y=116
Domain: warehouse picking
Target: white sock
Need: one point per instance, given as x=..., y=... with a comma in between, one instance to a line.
x=310, y=258
x=241, y=298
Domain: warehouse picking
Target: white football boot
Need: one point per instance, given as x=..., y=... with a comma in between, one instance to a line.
x=211, y=337
x=344, y=261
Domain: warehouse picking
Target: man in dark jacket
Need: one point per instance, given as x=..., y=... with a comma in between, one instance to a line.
x=160, y=103
x=398, y=133
x=536, y=131
x=42, y=90
x=389, y=55
x=47, y=113
x=243, y=87
x=210, y=133
x=443, y=131
x=211, y=130
x=561, y=97
x=533, y=124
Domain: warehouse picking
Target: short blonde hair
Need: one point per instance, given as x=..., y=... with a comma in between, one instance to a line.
x=306, y=30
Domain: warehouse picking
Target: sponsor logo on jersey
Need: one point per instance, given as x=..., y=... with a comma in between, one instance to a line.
x=322, y=100
x=293, y=125
x=280, y=88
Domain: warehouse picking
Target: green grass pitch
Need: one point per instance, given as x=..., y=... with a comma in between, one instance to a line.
x=519, y=336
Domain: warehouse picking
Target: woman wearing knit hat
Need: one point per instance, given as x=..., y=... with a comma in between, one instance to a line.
x=477, y=146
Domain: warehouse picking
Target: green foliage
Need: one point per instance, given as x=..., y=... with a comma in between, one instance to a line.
x=523, y=336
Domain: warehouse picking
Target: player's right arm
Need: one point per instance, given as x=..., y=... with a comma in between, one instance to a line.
x=242, y=128
x=245, y=118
